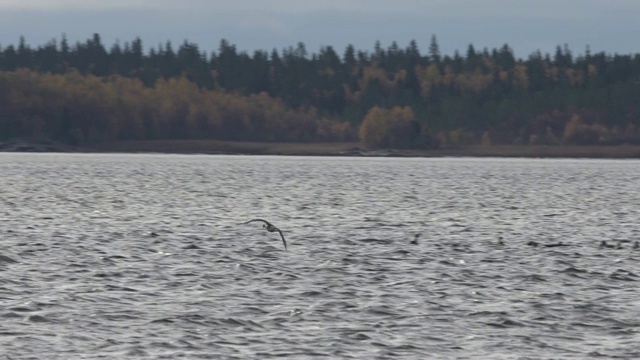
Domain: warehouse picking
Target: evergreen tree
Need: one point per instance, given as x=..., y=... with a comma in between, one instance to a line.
x=434, y=50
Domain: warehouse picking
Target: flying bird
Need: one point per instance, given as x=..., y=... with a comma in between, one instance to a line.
x=270, y=228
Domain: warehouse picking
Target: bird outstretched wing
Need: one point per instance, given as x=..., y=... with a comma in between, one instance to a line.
x=270, y=228
x=254, y=220
x=283, y=240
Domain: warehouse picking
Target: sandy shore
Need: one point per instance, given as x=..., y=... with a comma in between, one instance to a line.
x=322, y=149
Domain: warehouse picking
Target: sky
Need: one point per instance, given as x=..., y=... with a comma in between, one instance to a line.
x=525, y=25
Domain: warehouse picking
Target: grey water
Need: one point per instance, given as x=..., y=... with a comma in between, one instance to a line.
x=117, y=256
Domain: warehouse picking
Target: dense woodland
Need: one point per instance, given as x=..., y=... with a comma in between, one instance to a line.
x=396, y=97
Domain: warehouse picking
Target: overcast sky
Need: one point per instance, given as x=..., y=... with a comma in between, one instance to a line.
x=525, y=25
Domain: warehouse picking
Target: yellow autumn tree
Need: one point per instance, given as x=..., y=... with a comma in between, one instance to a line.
x=520, y=76
x=486, y=139
x=394, y=127
x=374, y=128
x=578, y=133
x=428, y=76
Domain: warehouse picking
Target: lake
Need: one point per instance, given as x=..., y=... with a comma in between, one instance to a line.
x=106, y=256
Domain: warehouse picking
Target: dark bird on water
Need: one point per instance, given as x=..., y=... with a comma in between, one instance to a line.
x=603, y=244
x=270, y=228
x=415, y=239
x=559, y=243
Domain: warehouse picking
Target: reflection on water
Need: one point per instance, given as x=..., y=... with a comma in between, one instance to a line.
x=132, y=256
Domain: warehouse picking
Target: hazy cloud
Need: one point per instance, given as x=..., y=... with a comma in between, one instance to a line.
x=45, y=5
x=525, y=25
x=263, y=23
x=427, y=8
x=283, y=6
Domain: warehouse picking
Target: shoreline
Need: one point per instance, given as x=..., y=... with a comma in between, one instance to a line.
x=323, y=149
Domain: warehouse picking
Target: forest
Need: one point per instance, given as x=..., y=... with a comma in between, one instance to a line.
x=394, y=97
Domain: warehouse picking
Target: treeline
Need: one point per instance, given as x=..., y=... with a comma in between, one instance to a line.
x=83, y=109
x=393, y=97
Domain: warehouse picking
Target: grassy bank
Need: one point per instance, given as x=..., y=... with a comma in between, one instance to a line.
x=355, y=149
x=322, y=149
x=226, y=147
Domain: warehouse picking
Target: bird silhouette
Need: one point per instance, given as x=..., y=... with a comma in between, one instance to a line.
x=270, y=228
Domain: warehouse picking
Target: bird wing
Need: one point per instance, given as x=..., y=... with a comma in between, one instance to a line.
x=253, y=220
x=283, y=240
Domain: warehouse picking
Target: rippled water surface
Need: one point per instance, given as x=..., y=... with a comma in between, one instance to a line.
x=141, y=256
